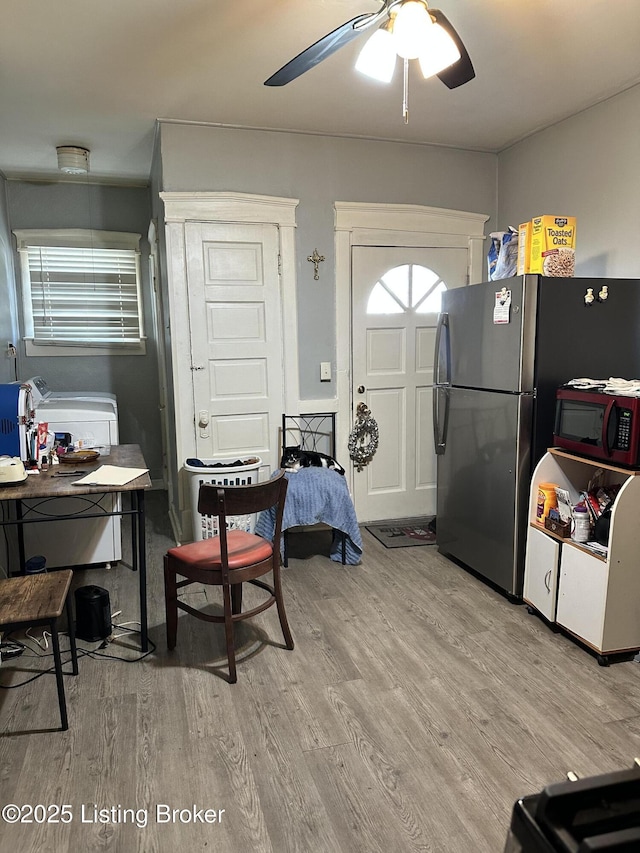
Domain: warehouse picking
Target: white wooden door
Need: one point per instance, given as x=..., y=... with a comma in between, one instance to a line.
x=236, y=340
x=395, y=305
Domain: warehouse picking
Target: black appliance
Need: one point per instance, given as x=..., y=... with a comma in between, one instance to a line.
x=93, y=613
x=599, y=813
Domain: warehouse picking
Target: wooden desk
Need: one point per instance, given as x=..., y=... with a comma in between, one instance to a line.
x=47, y=485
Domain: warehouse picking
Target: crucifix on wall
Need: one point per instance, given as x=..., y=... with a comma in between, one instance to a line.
x=315, y=259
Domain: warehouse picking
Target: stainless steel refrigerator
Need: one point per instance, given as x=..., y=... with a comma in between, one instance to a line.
x=502, y=349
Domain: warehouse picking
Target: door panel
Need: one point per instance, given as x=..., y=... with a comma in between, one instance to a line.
x=425, y=457
x=236, y=339
x=393, y=331
x=387, y=476
x=541, y=573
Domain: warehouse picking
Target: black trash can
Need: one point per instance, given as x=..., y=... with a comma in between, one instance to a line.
x=93, y=613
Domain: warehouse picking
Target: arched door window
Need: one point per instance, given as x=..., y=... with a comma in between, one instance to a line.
x=407, y=288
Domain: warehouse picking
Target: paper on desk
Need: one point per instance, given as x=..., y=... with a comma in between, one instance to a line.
x=110, y=475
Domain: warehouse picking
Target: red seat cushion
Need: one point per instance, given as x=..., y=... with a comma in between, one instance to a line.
x=244, y=550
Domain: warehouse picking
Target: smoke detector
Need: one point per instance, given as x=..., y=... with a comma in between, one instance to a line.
x=72, y=160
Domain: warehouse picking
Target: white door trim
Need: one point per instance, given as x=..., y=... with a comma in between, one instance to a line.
x=157, y=312
x=364, y=224
x=233, y=208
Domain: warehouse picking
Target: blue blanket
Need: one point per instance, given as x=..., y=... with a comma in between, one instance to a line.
x=318, y=495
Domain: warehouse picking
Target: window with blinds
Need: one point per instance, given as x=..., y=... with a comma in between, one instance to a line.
x=81, y=289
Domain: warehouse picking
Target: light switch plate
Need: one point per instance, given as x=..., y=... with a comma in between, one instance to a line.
x=325, y=371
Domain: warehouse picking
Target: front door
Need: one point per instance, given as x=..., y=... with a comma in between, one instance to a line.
x=236, y=340
x=395, y=305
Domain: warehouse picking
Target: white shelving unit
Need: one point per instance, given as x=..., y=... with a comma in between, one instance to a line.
x=596, y=599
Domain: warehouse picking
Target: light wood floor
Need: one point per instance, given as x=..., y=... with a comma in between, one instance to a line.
x=417, y=706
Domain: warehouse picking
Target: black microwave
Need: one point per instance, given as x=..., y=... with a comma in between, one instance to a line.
x=598, y=425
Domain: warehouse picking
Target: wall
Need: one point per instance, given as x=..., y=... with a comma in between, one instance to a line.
x=133, y=379
x=8, y=304
x=589, y=167
x=320, y=170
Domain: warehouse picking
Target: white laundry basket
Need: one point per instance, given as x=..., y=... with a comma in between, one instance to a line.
x=225, y=473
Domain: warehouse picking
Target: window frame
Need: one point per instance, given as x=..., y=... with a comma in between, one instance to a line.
x=412, y=307
x=80, y=238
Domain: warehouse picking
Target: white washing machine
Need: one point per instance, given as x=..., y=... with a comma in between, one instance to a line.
x=92, y=420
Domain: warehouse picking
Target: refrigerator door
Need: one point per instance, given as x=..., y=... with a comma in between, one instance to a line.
x=491, y=334
x=483, y=482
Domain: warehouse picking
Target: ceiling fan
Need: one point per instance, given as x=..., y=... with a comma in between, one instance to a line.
x=417, y=30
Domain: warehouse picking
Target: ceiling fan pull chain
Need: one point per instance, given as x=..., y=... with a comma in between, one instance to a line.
x=405, y=93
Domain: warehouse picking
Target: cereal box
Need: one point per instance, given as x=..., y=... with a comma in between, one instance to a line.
x=553, y=245
x=524, y=249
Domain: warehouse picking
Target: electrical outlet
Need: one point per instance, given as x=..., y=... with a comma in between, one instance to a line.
x=11, y=350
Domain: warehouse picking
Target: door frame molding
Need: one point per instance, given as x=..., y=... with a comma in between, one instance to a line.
x=406, y=225
x=233, y=208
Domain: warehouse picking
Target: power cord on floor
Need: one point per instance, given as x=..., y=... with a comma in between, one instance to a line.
x=44, y=643
x=99, y=653
x=81, y=653
x=50, y=671
x=127, y=631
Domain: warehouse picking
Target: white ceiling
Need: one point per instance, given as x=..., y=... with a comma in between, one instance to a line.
x=98, y=74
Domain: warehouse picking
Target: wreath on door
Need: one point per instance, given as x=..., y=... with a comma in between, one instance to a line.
x=364, y=437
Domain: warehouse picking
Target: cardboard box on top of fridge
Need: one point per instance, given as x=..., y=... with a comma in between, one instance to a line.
x=523, y=265
x=553, y=245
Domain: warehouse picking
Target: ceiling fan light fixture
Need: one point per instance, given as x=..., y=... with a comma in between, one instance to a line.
x=377, y=58
x=438, y=52
x=411, y=28
x=73, y=160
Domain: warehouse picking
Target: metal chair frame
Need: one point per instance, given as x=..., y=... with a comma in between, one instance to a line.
x=314, y=431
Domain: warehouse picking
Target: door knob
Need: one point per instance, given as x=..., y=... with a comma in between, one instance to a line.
x=361, y=389
x=203, y=418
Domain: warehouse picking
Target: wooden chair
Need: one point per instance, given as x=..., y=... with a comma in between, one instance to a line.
x=31, y=601
x=317, y=432
x=229, y=559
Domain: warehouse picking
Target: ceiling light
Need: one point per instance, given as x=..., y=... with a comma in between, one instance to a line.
x=377, y=58
x=410, y=28
x=438, y=52
x=72, y=160
x=411, y=33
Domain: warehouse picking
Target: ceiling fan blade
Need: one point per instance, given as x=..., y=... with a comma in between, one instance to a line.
x=461, y=71
x=321, y=49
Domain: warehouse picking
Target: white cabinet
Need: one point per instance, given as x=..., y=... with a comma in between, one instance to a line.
x=582, y=595
x=541, y=573
x=594, y=598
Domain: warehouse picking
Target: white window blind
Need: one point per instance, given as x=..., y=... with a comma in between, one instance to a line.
x=81, y=295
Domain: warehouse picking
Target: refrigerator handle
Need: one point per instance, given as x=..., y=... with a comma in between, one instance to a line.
x=440, y=426
x=443, y=323
x=605, y=426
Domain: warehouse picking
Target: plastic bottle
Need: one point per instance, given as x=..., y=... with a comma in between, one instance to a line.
x=581, y=525
x=547, y=499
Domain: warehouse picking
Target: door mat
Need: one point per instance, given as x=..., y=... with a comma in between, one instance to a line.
x=404, y=532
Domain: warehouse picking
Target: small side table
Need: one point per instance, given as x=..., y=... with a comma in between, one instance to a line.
x=31, y=601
